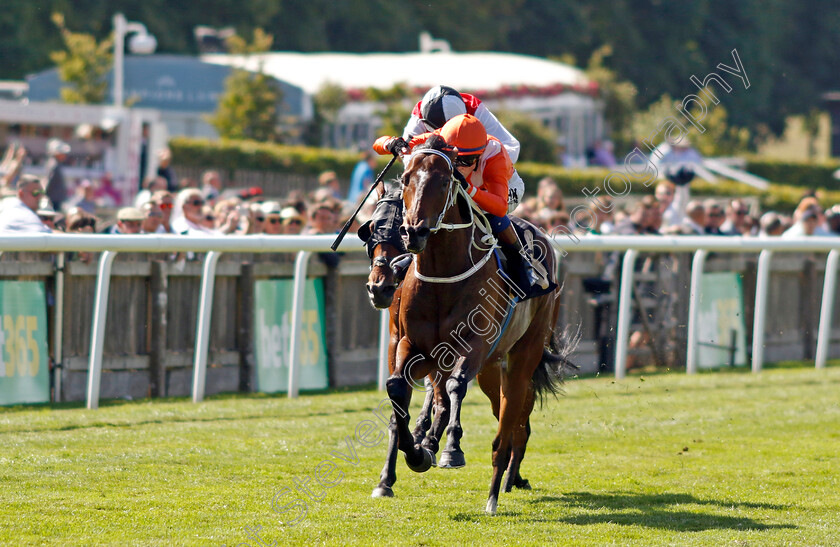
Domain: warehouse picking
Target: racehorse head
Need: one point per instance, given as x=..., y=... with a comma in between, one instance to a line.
x=381, y=285
x=383, y=244
x=427, y=191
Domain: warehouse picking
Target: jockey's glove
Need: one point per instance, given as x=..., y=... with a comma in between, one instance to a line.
x=396, y=145
x=392, y=145
x=462, y=180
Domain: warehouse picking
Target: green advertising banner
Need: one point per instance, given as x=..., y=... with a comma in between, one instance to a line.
x=272, y=328
x=721, y=330
x=24, y=359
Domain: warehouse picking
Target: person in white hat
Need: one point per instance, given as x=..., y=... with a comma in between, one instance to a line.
x=129, y=221
x=47, y=214
x=292, y=221
x=272, y=223
x=57, y=150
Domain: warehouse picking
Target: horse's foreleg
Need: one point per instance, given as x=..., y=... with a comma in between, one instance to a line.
x=389, y=473
x=399, y=391
x=456, y=388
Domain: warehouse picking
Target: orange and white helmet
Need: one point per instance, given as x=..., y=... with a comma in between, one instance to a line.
x=466, y=133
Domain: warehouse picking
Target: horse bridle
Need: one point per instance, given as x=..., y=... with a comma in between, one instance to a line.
x=451, y=195
x=452, y=191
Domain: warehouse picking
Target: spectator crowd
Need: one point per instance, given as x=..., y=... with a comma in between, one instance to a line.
x=668, y=211
x=166, y=205
x=32, y=204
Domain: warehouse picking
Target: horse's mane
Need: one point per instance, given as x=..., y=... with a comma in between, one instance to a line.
x=435, y=142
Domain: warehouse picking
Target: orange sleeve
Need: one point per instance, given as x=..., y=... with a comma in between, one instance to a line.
x=379, y=145
x=493, y=194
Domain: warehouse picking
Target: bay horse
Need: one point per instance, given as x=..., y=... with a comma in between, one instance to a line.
x=384, y=244
x=447, y=294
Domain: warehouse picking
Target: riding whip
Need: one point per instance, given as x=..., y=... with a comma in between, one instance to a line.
x=349, y=222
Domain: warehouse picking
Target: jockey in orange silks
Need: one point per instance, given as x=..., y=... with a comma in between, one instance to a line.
x=486, y=167
x=442, y=103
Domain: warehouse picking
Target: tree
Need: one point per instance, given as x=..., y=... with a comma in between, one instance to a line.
x=396, y=107
x=719, y=138
x=657, y=45
x=537, y=142
x=619, y=98
x=84, y=65
x=329, y=99
x=248, y=109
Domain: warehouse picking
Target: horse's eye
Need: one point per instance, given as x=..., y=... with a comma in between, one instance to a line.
x=404, y=180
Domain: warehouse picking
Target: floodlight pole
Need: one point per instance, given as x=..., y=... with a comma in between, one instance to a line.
x=122, y=28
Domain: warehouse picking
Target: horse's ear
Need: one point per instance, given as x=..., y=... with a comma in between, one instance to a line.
x=364, y=231
x=435, y=142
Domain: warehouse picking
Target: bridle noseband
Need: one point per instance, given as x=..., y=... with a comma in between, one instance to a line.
x=476, y=220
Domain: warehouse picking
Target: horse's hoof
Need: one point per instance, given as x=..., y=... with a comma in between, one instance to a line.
x=522, y=484
x=452, y=459
x=517, y=482
x=382, y=492
x=426, y=464
x=492, y=502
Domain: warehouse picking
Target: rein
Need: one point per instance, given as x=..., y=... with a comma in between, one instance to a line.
x=475, y=220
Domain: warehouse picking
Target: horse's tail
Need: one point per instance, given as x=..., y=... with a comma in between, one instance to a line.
x=555, y=364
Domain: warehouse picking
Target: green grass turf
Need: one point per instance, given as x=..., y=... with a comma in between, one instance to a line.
x=716, y=459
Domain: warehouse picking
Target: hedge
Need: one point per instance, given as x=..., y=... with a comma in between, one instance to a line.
x=259, y=156
x=802, y=174
x=232, y=155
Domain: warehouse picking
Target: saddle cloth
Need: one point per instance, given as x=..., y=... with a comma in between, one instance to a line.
x=540, y=250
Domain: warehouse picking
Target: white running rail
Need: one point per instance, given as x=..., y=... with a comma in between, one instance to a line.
x=631, y=245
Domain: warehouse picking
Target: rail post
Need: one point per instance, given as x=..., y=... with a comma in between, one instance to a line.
x=761, y=284
x=97, y=336
x=202, y=334
x=58, y=322
x=624, y=308
x=697, y=265
x=827, y=309
x=384, y=341
x=298, y=293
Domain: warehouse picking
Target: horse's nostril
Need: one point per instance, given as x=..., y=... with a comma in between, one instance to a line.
x=423, y=232
x=403, y=231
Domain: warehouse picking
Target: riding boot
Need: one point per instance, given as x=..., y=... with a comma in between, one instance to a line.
x=400, y=266
x=518, y=259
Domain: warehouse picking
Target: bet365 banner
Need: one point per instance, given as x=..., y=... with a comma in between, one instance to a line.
x=273, y=328
x=24, y=367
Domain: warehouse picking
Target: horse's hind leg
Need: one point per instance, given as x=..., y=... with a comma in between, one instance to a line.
x=516, y=384
x=424, y=418
x=441, y=407
x=519, y=442
x=489, y=379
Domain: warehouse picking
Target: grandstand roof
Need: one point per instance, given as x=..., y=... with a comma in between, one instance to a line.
x=486, y=73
